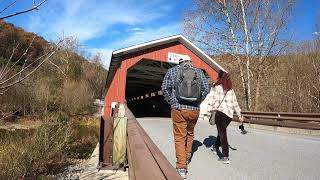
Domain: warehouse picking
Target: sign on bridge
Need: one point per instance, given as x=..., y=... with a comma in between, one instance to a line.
x=174, y=57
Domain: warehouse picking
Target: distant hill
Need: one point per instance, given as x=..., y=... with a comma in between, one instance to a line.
x=67, y=82
x=12, y=37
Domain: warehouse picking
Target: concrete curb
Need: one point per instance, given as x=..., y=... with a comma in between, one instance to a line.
x=310, y=132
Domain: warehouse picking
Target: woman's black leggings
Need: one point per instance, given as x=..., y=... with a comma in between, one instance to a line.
x=222, y=122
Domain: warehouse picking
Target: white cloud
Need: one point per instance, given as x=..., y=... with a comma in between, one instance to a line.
x=316, y=33
x=136, y=29
x=90, y=19
x=105, y=55
x=139, y=35
x=148, y=34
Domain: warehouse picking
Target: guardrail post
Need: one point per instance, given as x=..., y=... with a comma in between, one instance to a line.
x=101, y=141
x=108, y=142
x=119, y=137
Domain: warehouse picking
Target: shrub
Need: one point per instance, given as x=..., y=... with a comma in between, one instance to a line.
x=41, y=152
x=37, y=152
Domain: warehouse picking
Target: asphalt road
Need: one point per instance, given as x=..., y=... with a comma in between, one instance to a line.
x=260, y=154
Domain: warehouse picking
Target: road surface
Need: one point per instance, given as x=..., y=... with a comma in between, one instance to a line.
x=260, y=154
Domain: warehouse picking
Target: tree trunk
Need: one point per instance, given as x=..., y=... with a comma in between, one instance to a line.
x=245, y=29
x=248, y=86
x=24, y=105
x=47, y=101
x=236, y=46
x=257, y=95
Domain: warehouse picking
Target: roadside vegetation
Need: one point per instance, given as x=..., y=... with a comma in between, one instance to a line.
x=47, y=119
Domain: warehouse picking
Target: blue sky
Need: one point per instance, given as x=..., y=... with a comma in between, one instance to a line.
x=107, y=25
x=304, y=17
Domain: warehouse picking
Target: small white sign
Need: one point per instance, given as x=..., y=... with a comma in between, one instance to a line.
x=174, y=57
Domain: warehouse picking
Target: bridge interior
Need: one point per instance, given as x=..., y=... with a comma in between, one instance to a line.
x=143, y=89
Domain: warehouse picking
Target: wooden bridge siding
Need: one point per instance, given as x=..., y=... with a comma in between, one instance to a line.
x=116, y=92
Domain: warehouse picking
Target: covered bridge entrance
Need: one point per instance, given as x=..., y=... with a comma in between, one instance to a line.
x=145, y=146
x=136, y=73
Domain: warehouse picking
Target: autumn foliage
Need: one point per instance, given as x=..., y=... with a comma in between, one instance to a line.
x=67, y=82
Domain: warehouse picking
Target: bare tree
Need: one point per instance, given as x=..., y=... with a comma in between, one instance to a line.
x=251, y=31
x=35, y=6
x=9, y=76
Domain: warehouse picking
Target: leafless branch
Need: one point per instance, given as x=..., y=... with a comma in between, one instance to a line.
x=24, y=53
x=22, y=70
x=2, y=74
x=45, y=57
x=57, y=68
x=9, y=85
x=8, y=6
x=35, y=7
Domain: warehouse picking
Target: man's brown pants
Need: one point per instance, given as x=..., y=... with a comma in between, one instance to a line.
x=184, y=122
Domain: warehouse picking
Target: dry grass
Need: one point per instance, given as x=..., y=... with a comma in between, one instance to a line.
x=32, y=153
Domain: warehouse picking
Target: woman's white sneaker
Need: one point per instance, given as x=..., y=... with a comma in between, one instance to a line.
x=225, y=160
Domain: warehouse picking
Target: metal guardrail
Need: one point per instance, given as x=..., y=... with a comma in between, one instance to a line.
x=145, y=160
x=284, y=119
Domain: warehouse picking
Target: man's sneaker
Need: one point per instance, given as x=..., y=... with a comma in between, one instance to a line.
x=225, y=160
x=182, y=172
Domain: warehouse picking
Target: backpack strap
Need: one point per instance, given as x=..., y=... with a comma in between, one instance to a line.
x=176, y=79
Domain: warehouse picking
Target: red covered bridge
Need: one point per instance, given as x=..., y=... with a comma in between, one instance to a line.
x=134, y=80
x=136, y=72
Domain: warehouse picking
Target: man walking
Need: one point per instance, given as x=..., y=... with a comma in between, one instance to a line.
x=184, y=88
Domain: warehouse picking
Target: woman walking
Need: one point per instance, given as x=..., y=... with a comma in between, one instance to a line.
x=223, y=103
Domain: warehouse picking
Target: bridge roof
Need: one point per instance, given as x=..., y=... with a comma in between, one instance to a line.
x=117, y=55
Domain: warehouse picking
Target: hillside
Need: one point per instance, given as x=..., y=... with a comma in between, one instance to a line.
x=289, y=83
x=66, y=83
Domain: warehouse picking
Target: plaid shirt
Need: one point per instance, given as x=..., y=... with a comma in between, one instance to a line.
x=229, y=103
x=168, y=83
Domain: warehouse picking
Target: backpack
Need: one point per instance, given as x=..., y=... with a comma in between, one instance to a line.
x=187, y=86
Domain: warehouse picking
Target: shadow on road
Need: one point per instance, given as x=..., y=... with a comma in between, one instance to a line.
x=195, y=145
x=209, y=141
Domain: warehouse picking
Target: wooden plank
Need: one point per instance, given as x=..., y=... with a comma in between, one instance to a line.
x=120, y=139
x=167, y=169
x=119, y=136
x=108, y=142
x=133, y=82
x=101, y=139
x=147, y=77
x=151, y=69
x=142, y=161
x=164, y=166
x=131, y=168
